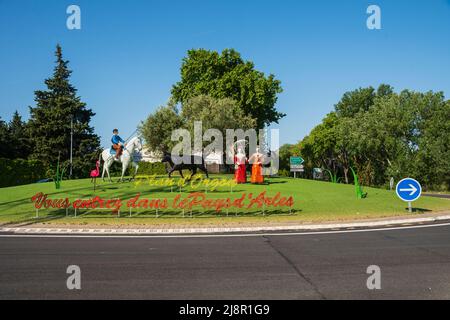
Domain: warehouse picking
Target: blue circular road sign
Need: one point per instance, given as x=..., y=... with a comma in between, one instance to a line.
x=408, y=189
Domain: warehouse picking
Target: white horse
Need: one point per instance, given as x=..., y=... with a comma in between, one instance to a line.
x=127, y=156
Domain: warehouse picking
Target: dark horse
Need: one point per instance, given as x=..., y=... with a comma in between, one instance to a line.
x=180, y=166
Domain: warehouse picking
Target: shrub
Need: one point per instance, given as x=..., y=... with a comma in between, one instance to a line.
x=284, y=173
x=19, y=171
x=149, y=168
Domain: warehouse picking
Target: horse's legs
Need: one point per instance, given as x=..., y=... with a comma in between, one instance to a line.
x=136, y=167
x=170, y=172
x=181, y=173
x=135, y=170
x=107, y=170
x=124, y=168
x=194, y=171
x=103, y=171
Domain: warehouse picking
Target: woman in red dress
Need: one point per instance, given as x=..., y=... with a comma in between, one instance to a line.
x=240, y=173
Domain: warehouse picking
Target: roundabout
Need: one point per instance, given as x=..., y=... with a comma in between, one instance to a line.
x=182, y=205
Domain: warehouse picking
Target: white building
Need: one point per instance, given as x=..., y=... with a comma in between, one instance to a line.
x=150, y=156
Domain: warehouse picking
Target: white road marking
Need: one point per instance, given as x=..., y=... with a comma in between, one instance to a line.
x=240, y=230
x=219, y=235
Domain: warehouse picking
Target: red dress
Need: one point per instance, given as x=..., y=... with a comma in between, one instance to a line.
x=240, y=173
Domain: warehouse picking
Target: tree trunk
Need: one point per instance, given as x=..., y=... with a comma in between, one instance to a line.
x=346, y=174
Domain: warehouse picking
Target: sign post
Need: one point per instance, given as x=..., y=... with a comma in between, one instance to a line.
x=391, y=183
x=296, y=165
x=408, y=190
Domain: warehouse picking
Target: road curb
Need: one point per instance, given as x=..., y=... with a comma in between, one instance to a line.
x=310, y=227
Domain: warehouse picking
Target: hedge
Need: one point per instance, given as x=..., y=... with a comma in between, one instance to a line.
x=19, y=171
x=149, y=168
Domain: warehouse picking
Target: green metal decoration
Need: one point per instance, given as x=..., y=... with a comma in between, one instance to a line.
x=359, y=191
x=59, y=175
x=333, y=177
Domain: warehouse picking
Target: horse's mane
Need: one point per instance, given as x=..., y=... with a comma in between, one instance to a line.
x=131, y=140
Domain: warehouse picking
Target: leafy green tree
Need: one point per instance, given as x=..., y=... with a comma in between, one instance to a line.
x=401, y=135
x=344, y=132
x=386, y=136
x=384, y=90
x=355, y=101
x=157, y=128
x=285, y=152
x=334, y=144
x=432, y=161
x=220, y=114
x=318, y=148
x=227, y=75
x=50, y=123
x=360, y=100
x=383, y=134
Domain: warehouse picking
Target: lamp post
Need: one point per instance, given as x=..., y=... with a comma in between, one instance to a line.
x=71, y=145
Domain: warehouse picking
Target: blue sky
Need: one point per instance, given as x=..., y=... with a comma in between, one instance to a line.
x=127, y=54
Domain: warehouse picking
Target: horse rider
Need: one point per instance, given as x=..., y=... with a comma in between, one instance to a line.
x=117, y=143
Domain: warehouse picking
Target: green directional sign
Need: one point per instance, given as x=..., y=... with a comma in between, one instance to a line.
x=296, y=161
x=296, y=165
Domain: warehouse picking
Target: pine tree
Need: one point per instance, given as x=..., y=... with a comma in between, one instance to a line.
x=4, y=139
x=19, y=144
x=50, y=123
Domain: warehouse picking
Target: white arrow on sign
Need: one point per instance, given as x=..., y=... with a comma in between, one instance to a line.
x=412, y=189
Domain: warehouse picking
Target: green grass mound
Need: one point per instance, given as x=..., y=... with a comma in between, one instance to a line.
x=313, y=201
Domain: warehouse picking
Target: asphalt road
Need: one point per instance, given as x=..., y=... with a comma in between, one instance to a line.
x=415, y=264
x=437, y=195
